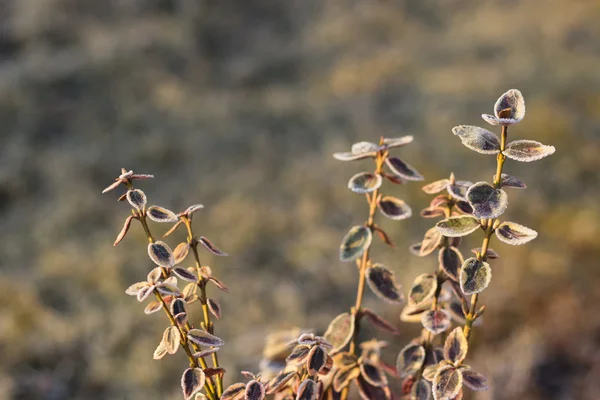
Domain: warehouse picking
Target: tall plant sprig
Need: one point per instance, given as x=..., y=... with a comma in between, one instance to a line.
x=428, y=303
x=366, y=369
x=162, y=282
x=489, y=201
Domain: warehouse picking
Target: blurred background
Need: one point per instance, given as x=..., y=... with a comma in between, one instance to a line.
x=238, y=105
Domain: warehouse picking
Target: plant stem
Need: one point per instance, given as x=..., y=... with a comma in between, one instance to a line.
x=364, y=262
x=194, y=363
x=203, y=299
x=470, y=317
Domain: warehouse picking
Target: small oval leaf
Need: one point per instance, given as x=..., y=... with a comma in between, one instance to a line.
x=486, y=200
x=214, y=307
x=451, y=259
x=436, y=187
x=208, y=245
x=171, y=338
x=431, y=241
x=161, y=214
x=348, y=156
x=181, y=251
x=456, y=346
x=382, y=283
x=478, y=139
x=527, y=150
x=355, y=243
x=203, y=338
x=343, y=378
x=184, y=274
x=234, y=392
x=459, y=189
x=372, y=374
x=511, y=182
x=420, y=391
x=389, y=143
x=340, y=331
x=317, y=357
x=475, y=276
x=394, y=208
x=436, y=321
x=515, y=234
x=192, y=381
x=280, y=380
x=379, y=322
x=447, y=383
x=474, y=380
x=423, y=289
x=365, y=148
x=161, y=254
x=410, y=359
x=136, y=198
x=298, y=355
x=255, y=390
x=365, y=182
x=308, y=390
x=402, y=169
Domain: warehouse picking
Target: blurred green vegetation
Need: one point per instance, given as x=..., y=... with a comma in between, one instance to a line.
x=239, y=105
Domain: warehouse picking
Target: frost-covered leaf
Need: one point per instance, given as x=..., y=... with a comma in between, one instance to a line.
x=344, y=376
x=134, y=289
x=171, y=337
x=379, y=322
x=372, y=374
x=420, y=391
x=509, y=109
x=160, y=351
x=511, y=182
x=168, y=290
x=355, y=243
x=317, y=357
x=124, y=230
x=161, y=214
x=255, y=390
x=432, y=213
x=192, y=209
x=153, y=307
x=177, y=306
x=459, y=189
x=412, y=314
x=161, y=254
x=456, y=346
x=298, y=355
x=431, y=241
x=487, y=201
x=423, y=289
x=206, y=352
x=208, y=245
x=389, y=143
x=308, y=390
x=180, y=252
x=430, y=371
x=447, y=383
x=436, y=187
x=402, y=169
x=364, y=148
x=279, y=381
x=145, y=292
x=515, y=234
x=474, y=380
x=527, y=150
x=464, y=207
x=458, y=226
x=451, y=259
x=478, y=139
x=184, y=274
x=214, y=307
x=436, y=321
x=370, y=392
x=394, y=208
x=382, y=283
x=136, y=198
x=416, y=248
x=348, y=156
x=203, y=338
x=410, y=359
x=365, y=182
x=192, y=381
x=340, y=331
x=234, y=392
x=475, y=276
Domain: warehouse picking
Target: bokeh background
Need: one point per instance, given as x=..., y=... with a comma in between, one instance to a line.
x=238, y=104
